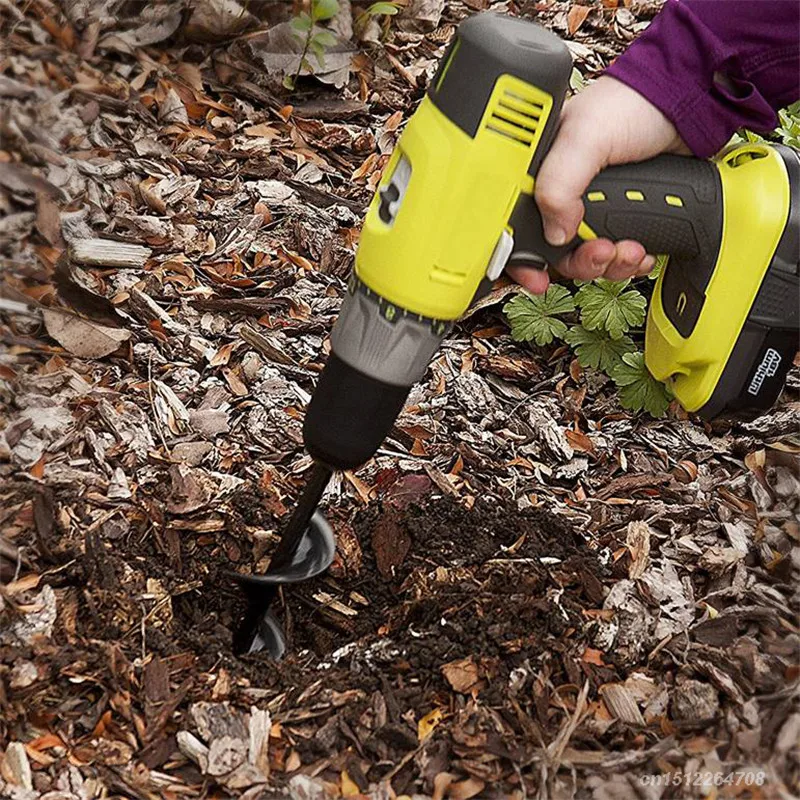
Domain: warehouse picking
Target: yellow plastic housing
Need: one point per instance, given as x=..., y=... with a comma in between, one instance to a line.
x=432, y=257
x=756, y=199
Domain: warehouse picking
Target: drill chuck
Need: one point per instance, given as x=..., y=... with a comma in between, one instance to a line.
x=379, y=351
x=350, y=415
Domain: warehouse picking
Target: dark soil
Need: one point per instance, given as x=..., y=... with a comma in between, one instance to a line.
x=458, y=591
x=470, y=583
x=479, y=570
x=463, y=584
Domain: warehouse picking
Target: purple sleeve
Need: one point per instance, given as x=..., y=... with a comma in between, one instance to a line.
x=713, y=66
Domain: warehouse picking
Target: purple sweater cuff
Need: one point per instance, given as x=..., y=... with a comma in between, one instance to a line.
x=674, y=62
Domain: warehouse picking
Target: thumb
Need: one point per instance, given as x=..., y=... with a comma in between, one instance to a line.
x=566, y=171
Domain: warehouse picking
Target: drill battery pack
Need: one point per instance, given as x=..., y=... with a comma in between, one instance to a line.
x=724, y=332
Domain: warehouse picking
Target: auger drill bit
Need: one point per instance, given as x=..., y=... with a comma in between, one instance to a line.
x=305, y=550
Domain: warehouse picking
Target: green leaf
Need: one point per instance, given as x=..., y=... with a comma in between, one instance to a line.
x=576, y=81
x=661, y=262
x=638, y=389
x=611, y=306
x=301, y=24
x=390, y=9
x=288, y=82
x=533, y=317
x=318, y=50
x=324, y=39
x=793, y=110
x=596, y=348
x=324, y=9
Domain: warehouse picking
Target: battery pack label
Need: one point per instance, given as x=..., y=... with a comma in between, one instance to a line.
x=766, y=369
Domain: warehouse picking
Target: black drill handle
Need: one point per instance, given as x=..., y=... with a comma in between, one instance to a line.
x=671, y=204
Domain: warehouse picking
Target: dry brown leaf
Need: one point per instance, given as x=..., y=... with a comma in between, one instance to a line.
x=262, y=131
x=441, y=783
x=81, y=337
x=37, y=470
x=364, y=492
x=171, y=109
x=150, y=23
x=592, y=656
x=463, y=675
x=579, y=441
x=464, y=790
x=262, y=209
x=151, y=195
x=576, y=17
x=393, y=123
x=755, y=460
x=223, y=355
x=418, y=449
x=80, y=292
x=235, y=383
x=191, y=489
x=48, y=220
x=22, y=585
x=409, y=489
x=191, y=75
x=638, y=544
x=215, y=20
x=367, y=166
x=278, y=50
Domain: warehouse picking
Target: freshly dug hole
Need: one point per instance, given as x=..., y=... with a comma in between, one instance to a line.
x=460, y=583
x=434, y=584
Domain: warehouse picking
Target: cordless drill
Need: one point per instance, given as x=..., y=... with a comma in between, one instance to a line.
x=455, y=206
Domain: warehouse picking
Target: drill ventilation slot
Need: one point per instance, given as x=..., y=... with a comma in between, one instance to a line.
x=515, y=118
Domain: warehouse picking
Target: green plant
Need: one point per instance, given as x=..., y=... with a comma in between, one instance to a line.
x=379, y=9
x=316, y=40
x=638, y=389
x=611, y=306
x=596, y=348
x=787, y=132
x=607, y=312
x=535, y=317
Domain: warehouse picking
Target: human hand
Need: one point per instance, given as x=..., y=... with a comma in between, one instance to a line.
x=607, y=123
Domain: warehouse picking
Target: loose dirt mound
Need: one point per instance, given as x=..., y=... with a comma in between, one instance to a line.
x=438, y=582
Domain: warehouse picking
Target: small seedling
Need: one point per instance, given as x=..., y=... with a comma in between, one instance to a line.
x=611, y=306
x=596, y=348
x=535, y=317
x=638, y=389
x=313, y=39
x=379, y=9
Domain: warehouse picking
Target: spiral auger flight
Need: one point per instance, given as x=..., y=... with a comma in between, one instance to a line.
x=306, y=550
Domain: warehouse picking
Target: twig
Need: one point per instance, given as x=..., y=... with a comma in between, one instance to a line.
x=153, y=404
x=13, y=307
